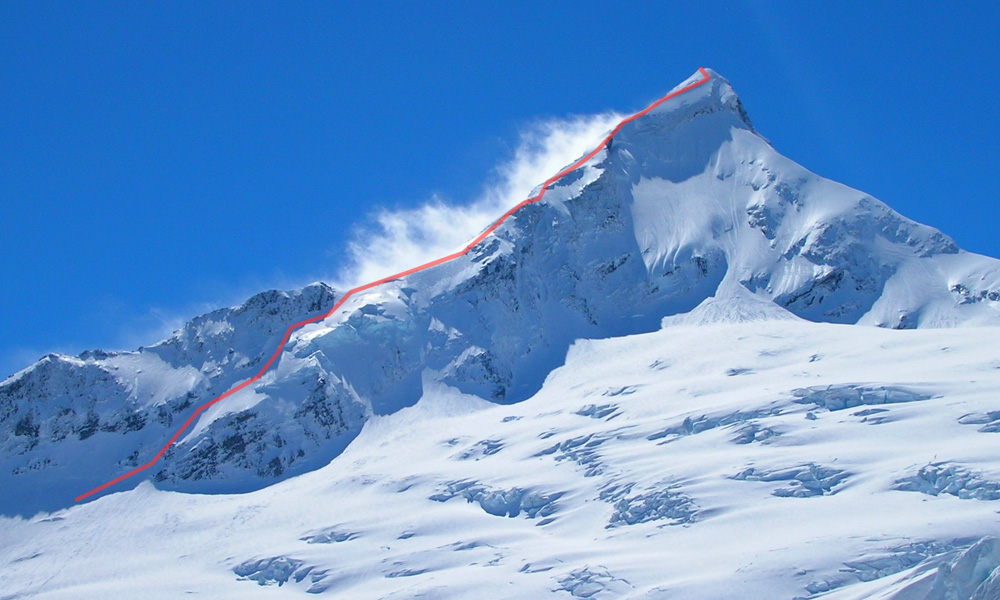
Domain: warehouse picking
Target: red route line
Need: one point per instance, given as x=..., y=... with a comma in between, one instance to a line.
x=479, y=238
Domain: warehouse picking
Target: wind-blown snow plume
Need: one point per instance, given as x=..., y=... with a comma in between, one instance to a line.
x=399, y=239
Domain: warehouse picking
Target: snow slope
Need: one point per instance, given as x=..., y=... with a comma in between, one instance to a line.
x=755, y=459
x=712, y=277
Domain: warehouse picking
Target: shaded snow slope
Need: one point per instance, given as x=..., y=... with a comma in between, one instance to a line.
x=687, y=212
x=762, y=459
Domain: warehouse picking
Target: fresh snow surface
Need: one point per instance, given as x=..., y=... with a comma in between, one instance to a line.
x=759, y=459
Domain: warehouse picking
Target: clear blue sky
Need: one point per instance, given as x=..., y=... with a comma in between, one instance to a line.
x=157, y=158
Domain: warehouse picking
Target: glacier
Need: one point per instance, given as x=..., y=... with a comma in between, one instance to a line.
x=693, y=369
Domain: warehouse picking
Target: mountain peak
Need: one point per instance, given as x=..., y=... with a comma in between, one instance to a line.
x=686, y=207
x=701, y=255
x=714, y=95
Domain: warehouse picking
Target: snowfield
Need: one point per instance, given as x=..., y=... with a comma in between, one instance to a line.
x=759, y=459
x=693, y=370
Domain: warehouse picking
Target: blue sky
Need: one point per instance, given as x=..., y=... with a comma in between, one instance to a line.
x=161, y=159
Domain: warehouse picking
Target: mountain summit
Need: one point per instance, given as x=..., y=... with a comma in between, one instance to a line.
x=687, y=215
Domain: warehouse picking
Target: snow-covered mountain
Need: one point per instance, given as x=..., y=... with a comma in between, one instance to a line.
x=706, y=450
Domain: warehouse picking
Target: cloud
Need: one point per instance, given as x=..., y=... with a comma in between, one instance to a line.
x=399, y=239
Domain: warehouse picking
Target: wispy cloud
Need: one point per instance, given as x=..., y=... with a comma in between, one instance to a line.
x=398, y=239
x=393, y=240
